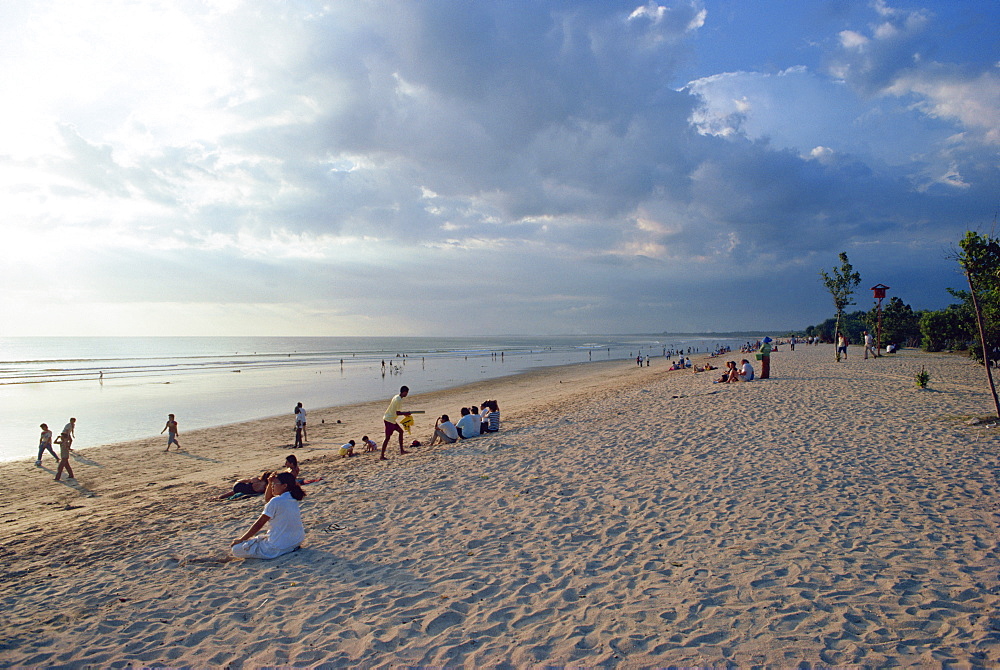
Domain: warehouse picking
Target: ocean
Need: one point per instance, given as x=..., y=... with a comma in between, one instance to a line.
x=122, y=388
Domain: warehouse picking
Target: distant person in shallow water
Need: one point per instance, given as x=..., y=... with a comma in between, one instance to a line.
x=281, y=510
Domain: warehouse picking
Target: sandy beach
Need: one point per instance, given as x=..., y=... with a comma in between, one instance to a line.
x=832, y=515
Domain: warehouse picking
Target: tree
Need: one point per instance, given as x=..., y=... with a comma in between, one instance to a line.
x=900, y=326
x=980, y=260
x=841, y=286
x=948, y=328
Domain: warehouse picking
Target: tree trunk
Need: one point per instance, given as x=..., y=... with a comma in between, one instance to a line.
x=982, y=342
x=836, y=335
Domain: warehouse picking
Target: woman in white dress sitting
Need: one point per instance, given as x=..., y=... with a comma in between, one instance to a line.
x=281, y=508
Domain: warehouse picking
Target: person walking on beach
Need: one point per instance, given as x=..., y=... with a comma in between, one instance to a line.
x=65, y=441
x=45, y=443
x=869, y=345
x=70, y=428
x=300, y=420
x=171, y=427
x=390, y=419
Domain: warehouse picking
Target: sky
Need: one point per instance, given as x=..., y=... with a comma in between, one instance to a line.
x=339, y=167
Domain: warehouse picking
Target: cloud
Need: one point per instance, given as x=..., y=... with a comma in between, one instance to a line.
x=496, y=167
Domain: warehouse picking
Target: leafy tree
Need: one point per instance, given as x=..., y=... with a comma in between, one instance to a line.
x=841, y=286
x=980, y=260
x=949, y=328
x=900, y=325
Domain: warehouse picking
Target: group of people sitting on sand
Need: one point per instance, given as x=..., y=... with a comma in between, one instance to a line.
x=474, y=422
x=743, y=373
x=282, y=489
x=681, y=364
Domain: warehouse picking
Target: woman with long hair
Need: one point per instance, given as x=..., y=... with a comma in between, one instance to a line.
x=281, y=509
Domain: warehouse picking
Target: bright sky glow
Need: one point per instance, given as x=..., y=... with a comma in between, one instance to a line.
x=184, y=167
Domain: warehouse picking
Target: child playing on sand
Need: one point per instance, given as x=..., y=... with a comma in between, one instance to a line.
x=370, y=445
x=347, y=450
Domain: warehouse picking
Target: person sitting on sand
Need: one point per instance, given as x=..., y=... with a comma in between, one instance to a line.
x=292, y=465
x=445, y=431
x=492, y=416
x=468, y=425
x=369, y=443
x=746, y=371
x=730, y=374
x=347, y=450
x=281, y=509
x=253, y=486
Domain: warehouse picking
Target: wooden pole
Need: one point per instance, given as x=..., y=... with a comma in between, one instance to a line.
x=878, y=332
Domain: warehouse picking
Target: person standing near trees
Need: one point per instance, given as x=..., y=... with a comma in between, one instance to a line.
x=841, y=346
x=869, y=345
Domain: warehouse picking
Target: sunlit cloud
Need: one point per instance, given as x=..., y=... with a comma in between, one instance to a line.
x=538, y=166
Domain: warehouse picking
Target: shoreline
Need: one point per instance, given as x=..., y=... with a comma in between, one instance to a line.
x=833, y=514
x=120, y=409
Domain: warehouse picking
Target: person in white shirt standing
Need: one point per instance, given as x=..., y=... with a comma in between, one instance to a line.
x=869, y=345
x=391, y=418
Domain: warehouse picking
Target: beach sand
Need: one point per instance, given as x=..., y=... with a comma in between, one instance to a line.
x=832, y=515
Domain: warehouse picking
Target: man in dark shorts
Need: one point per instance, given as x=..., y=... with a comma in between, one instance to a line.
x=172, y=434
x=391, y=416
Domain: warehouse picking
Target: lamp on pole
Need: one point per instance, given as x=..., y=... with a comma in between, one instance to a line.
x=879, y=290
